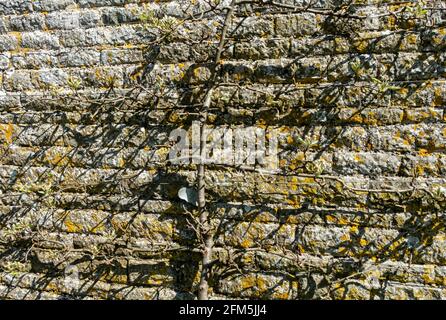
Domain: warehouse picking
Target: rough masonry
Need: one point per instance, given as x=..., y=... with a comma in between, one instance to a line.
x=89, y=205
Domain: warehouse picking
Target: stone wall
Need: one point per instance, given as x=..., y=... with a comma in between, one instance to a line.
x=86, y=108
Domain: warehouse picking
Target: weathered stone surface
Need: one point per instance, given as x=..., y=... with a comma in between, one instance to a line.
x=90, y=91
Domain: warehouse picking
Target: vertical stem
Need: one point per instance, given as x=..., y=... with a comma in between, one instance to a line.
x=205, y=231
x=205, y=227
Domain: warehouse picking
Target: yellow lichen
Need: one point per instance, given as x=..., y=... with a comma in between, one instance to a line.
x=345, y=237
x=8, y=131
x=358, y=158
x=71, y=226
